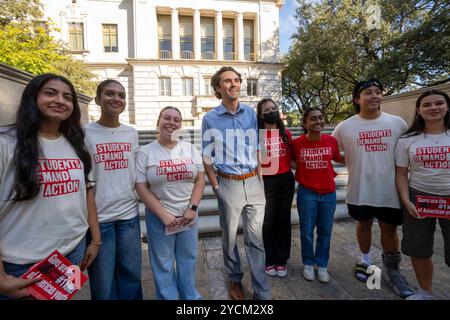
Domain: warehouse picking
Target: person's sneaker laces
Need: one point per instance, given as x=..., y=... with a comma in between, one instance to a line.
x=281, y=271
x=271, y=271
x=397, y=282
x=421, y=294
x=308, y=272
x=322, y=275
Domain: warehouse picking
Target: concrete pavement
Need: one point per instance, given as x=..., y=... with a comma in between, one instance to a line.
x=211, y=278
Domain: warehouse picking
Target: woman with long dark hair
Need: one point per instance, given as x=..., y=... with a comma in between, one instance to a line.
x=278, y=187
x=424, y=152
x=46, y=200
x=316, y=194
x=116, y=272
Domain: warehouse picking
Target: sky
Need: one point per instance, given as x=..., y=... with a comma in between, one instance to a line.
x=288, y=25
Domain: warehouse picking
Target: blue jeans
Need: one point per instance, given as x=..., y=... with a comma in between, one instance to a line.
x=166, y=252
x=315, y=210
x=16, y=270
x=115, y=273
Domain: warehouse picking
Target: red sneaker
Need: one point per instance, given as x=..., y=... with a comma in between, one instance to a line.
x=271, y=271
x=281, y=271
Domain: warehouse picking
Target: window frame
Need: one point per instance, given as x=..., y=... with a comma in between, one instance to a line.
x=110, y=37
x=252, y=87
x=165, y=86
x=77, y=33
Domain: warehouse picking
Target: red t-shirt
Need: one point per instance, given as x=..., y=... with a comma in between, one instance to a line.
x=277, y=159
x=314, y=168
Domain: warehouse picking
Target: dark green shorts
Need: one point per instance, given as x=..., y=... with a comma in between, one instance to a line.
x=418, y=234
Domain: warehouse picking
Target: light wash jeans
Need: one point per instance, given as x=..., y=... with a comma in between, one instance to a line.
x=246, y=198
x=315, y=210
x=173, y=259
x=16, y=270
x=115, y=273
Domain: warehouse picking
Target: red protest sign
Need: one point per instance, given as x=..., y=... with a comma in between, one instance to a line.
x=60, y=279
x=433, y=206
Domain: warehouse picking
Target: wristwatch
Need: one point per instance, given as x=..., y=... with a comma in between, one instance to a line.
x=193, y=207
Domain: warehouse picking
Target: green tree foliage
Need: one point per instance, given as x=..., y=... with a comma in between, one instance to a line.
x=26, y=44
x=19, y=11
x=404, y=43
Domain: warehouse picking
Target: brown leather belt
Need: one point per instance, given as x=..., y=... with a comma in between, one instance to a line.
x=237, y=176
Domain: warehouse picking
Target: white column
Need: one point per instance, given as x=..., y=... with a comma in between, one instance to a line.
x=175, y=34
x=240, y=35
x=196, y=31
x=257, y=37
x=219, y=35
x=145, y=30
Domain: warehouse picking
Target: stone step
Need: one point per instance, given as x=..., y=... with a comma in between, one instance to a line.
x=210, y=223
x=208, y=205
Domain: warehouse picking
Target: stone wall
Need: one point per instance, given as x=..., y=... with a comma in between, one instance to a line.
x=12, y=83
x=404, y=104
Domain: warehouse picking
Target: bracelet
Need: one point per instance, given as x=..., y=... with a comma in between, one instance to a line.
x=96, y=243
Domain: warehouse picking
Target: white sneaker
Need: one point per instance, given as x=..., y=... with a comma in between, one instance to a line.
x=421, y=294
x=271, y=271
x=322, y=274
x=308, y=272
x=281, y=271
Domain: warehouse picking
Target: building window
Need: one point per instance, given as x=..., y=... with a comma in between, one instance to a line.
x=188, y=123
x=76, y=36
x=188, y=85
x=165, y=36
x=228, y=39
x=164, y=86
x=110, y=38
x=252, y=87
x=207, y=89
x=186, y=38
x=207, y=38
x=249, y=48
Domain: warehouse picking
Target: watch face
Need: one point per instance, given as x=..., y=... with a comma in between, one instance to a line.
x=194, y=207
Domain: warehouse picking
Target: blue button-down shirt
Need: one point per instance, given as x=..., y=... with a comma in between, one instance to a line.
x=231, y=140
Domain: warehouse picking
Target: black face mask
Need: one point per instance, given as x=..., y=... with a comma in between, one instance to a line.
x=271, y=117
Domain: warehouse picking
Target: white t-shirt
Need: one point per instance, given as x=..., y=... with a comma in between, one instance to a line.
x=369, y=156
x=428, y=159
x=170, y=173
x=113, y=152
x=57, y=218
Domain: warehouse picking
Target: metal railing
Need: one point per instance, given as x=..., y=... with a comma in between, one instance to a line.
x=165, y=54
x=250, y=56
x=185, y=54
x=208, y=55
x=229, y=56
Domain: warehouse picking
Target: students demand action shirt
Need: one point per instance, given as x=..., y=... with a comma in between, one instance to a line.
x=369, y=156
x=170, y=173
x=276, y=153
x=428, y=159
x=314, y=168
x=113, y=152
x=55, y=219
